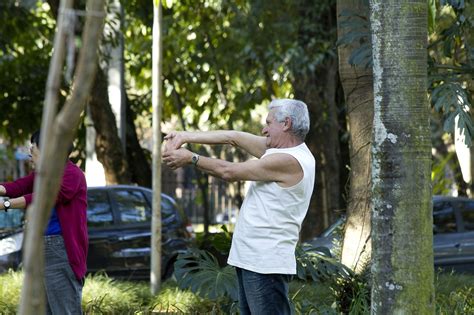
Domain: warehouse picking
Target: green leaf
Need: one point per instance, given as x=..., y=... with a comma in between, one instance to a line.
x=200, y=272
x=362, y=56
x=431, y=15
x=352, y=37
x=316, y=263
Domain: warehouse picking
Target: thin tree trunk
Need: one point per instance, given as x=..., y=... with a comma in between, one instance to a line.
x=358, y=92
x=402, y=230
x=157, y=100
x=57, y=133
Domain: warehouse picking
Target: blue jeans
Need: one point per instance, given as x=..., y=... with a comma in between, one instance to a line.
x=63, y=290
x=261, y=294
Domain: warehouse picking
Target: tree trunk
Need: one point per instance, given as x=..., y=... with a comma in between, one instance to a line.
x=108, y=145
x=57, y=133
x=402, y=230
x=358, y=92
x=323, y=141
x=157, y=100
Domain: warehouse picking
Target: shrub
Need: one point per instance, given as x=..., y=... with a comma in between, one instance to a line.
x=10, y=291
x=454, y=293
x=102, y=294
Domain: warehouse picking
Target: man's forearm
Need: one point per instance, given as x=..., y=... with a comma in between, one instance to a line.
x=3, y=191
x=216, y=167
x=210, y=137
x=255, y=145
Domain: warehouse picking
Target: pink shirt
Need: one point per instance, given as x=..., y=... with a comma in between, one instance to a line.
x=71, y=207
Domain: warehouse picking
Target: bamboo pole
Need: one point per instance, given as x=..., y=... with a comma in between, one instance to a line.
x=157, y=101
x=57, y=133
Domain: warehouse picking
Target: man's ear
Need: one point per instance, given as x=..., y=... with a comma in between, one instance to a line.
x=287, y=124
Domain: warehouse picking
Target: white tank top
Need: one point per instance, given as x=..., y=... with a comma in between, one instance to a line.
x=270, y=218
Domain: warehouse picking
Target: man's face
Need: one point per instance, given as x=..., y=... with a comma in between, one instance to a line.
x=272, y=130
x=34, y=153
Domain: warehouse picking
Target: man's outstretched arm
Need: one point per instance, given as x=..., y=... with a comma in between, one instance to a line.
x=254, y=145
x=283, y=169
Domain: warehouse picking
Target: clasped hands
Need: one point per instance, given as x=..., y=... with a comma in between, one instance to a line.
x=174, y=155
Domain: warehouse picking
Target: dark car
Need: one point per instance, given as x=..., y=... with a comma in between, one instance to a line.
x=119, y=222
x=453, y=234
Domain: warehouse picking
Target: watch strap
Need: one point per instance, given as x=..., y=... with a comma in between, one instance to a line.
x=195, y=159
x=6, y=203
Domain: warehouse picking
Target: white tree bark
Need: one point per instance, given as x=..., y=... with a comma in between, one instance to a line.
x=358, y=92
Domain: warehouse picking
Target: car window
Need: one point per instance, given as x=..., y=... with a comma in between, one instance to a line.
x=167, y=207
x=467, y=214
x=335, y=229
x=99, y=212
x=444, y=220
x=132, y=206
x=11, y=219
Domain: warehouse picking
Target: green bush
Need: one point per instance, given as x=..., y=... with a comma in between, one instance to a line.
x=10, y=291
x=454, y=294
x=102, y=294
x=310, y=297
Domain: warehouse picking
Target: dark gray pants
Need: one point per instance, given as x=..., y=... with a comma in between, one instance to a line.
x=63, y=290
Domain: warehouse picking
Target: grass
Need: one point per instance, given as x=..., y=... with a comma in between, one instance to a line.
x=103, y=295
x=454, y=294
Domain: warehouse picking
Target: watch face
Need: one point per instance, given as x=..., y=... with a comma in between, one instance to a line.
x=195, y=158
x=6, y=204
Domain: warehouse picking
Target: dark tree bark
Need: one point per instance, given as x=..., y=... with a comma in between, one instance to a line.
x=323, y=141
x=317, y=88
x=138, y=163
x=108, y=146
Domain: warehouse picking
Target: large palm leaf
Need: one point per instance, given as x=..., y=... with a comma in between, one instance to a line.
x=200, y=272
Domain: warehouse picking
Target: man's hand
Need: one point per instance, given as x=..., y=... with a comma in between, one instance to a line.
x=174, y=140
x=177, y=158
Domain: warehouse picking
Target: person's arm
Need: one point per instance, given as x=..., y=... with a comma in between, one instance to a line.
x=281, y=168
x=19, y=187
x=254, y=145
x=16, y=203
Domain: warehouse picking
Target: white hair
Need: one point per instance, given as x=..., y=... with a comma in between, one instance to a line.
x=296, y=110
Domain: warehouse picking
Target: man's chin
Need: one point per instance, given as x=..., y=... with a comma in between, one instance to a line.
x=268, y=143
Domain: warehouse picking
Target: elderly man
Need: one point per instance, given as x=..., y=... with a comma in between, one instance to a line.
x=267, y=229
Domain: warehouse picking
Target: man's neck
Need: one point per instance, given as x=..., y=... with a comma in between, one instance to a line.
x=290, y=142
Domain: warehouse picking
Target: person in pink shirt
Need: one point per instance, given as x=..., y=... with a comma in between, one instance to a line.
x=65, y=238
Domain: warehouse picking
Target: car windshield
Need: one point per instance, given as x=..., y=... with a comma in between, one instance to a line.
x=11, y=220
x=335, y=227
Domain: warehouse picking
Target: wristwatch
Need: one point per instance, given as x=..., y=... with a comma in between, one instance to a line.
x=195, y=159
x=6, y=204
